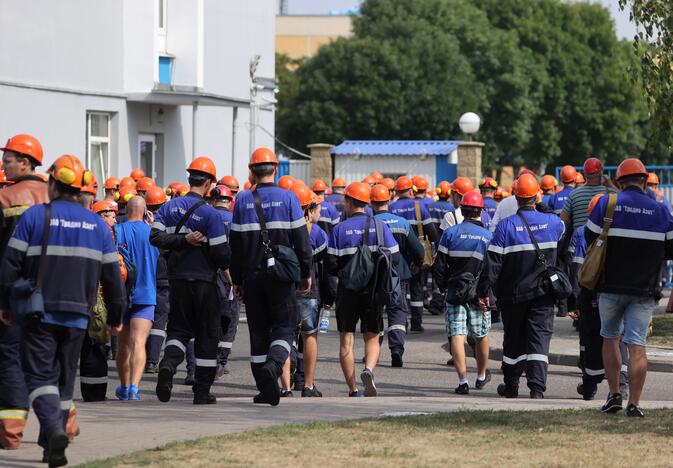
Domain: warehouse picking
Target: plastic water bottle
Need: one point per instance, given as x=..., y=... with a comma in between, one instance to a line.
x=324, y=321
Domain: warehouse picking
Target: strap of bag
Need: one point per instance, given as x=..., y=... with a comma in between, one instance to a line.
x=365, y=234
x=379, y=234
x=45, y=242
x=609, y=212
x=540, y=255
x=419, y=220
x=189, y=212
x=266, y=242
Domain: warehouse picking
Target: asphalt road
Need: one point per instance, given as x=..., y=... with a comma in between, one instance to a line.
x=425, y=373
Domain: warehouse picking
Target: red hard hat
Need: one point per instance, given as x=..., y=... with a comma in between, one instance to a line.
x=230, y=181
x=319, y=186
x=205, y=165
x=263, y=156
x=473, y=199
x=338, y=183
x=359, y=191
x=548, y=182
x=380, y=193
x=378, y=177
x=488, y=183
x=104, y=205
x=137, y=174
x=286, y=182
x=592, y=166
x=403, y=183
x=593, y=202
x=68, y=170
x=526, y=186
x=144, y=183
x=420, y=182
x=26, y=145
x=462, y=185
x=443, y=189
x=303, y=193
x=389, y=183
x=155, y=196
x=112, y=183
x=652, y=178
x=568, y=174
x=222, y=191
x=631, y=166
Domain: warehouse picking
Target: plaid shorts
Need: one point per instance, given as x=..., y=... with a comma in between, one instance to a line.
x=458, y=318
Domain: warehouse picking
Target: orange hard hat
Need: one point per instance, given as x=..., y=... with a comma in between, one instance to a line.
x=593, y=202
x=378, y=177
x=338, y=183
x=526, y=186
x=403, y=184
x=499, y=193
x=91, y=187
x=112, y=183
x=155, y=196
x=205, y=165
x=3, y=178
x=137, y=174
x=462, y=185
x=286, y=182
x=420, y=182
x=472, y=199
x=443, y=189
x=319, y=186
x=68, y=170
x=380, y=193
x=127, y=182
x=579, y=178
x=303, y=193
x=568, y=174
x=592, y=166
x=172, y=188
x=183, y=190
x=488, y=183
x=104, y=205
x=122, y=267
x=126, y=193
x=230, y=181
x=652, y=178
x=360, y=191
x=144, y=183
x=389, y=183
x=631, y=166
x=247, y=185
x=263, y=156
x=26, y=145
x=369, y=180
x=548, y=182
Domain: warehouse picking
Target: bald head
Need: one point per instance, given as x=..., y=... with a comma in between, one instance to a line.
x=135, y=209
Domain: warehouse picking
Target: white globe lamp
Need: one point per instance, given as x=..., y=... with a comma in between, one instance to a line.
x=469, y=123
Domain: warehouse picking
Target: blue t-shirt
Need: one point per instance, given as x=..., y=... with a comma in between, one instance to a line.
x=135, y=237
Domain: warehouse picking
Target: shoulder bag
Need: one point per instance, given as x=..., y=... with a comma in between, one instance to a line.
x=594, y=261
x=427, y=246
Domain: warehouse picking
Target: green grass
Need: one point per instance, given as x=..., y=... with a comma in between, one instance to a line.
x=662, y=326
x=480, y=438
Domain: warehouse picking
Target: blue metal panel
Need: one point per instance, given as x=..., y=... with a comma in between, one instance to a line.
x=395, y=147
x=283, y=168
x=165, y=70
x=444, y=170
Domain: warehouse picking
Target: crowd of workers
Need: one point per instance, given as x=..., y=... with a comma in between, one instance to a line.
x=157, y=276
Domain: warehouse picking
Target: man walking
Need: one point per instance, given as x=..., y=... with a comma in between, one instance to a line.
x=574, y=212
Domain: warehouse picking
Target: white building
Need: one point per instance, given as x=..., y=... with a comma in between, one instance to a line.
x=148, y=83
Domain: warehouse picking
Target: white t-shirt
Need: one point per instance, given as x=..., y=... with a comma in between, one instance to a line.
x=451, y=219
x=506, y=208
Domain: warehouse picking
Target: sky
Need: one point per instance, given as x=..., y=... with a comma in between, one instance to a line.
x=625, y=29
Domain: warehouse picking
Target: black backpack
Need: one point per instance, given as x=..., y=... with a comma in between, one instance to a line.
x=461, y=289
x=387, y=288
x=356, y=276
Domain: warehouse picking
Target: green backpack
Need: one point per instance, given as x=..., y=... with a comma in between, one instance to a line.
x=98, y=322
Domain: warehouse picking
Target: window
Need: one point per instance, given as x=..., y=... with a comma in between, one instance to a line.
x=161, y=25
x=98, y=147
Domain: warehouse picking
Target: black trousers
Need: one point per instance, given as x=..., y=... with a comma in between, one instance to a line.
x=397, y=320
x=13, y=393
x=528, y=328
x=194, y=313
x=273, y=315
x=93, y=370
x=158, y=332
x=49, y=356
x=416, y=291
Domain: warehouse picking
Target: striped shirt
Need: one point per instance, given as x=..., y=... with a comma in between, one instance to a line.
x=578, y=201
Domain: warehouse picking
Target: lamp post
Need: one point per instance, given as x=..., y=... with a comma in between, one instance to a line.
x=469, y=123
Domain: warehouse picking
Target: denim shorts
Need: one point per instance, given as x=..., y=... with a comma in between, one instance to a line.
x=460, y=318
x=626, y=315
x=308, y=315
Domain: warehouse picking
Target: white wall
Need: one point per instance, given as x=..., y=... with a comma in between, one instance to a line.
x=140, y=61
x=354, y=170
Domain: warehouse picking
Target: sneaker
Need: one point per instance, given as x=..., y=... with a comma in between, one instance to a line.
x=151, y=368
x=259, y=399
x=164, y=384
x=416, y=328
x=134, y=392
x=507, y=392
x=57, y=442
x=587, y=391
x=204, y=399
x=189, y=380
x=479, y=384
x=613, y=403
x=462, y=389
x=396, y=360
x=285, y=393
x=536, y=395
x=311, y=392
x=450, y=362
x=355, y=394
x=632, y=411
x=122, y=393
x=367, y=377
x=268, y=383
